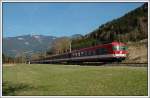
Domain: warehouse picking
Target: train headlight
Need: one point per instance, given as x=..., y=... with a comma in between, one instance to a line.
x=117, y=54
x=122, y=55
x=120, y=52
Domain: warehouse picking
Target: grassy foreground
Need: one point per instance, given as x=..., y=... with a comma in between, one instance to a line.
x=77, y=80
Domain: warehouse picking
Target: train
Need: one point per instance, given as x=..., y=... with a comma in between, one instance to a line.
x=110, y=52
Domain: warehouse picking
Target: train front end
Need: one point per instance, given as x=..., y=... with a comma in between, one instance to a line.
x=119, y=51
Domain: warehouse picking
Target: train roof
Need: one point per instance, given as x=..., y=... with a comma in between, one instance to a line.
x=100, y=45
x=118, y=43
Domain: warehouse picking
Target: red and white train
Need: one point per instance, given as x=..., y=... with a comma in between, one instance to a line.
x=111, y=52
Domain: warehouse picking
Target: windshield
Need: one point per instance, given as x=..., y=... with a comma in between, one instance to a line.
x=119, y=47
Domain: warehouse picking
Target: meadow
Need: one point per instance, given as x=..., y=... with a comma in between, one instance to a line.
x=74, y=80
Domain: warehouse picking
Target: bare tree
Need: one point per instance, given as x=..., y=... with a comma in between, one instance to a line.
x=61, y=45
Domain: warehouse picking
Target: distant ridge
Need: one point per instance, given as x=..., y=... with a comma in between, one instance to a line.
x=26, y=44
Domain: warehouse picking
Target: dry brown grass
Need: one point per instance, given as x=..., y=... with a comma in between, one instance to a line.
x=8, y=65
x=137, y=52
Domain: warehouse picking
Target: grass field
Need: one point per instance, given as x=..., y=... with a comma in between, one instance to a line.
x=75, y=80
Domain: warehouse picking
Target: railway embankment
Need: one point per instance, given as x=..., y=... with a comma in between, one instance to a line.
x=137, y=52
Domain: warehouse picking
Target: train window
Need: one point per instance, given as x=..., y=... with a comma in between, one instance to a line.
x=85, y=53
x=72, y=54
x=89, y=52
x=101, y=51
x=104, y=51
x=82, y=53
x=119, y=47
x=93, y=52
x=78, y=53
x=123, y=47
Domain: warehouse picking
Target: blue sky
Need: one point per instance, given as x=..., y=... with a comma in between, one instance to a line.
x=59, y=19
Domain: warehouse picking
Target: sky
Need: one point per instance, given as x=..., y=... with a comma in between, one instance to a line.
x=60, y=19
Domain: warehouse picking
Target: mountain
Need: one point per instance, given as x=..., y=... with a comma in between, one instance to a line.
x=76, y=36
x=131, y=27
x=26, y=44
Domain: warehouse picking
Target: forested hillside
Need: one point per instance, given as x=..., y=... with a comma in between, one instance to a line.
x=131, y=27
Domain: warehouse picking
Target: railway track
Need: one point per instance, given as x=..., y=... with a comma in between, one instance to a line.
x=108, y=64
x=130, y=64
x=99, y=64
